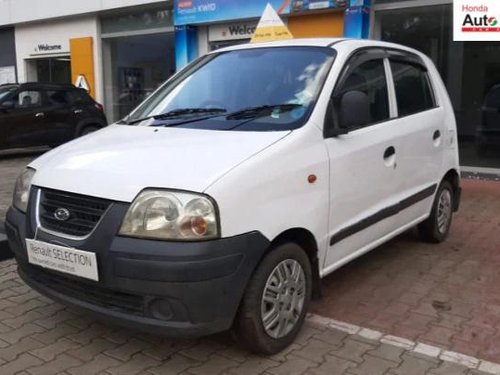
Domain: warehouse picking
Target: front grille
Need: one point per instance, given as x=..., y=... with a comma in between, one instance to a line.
x=84, y=212
x=86, y=292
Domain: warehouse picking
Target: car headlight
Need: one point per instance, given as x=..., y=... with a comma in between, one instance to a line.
x=171, y=215
x=22, y=189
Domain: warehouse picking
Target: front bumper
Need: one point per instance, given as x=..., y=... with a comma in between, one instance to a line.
x=175, y=288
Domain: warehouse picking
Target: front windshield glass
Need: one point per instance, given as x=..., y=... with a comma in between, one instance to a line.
x=228, y=82
x=5, y=91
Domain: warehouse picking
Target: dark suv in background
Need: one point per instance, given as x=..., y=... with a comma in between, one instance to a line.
x=36, y=114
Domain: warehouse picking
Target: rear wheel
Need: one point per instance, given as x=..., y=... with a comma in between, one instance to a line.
x=276, y=300
x=436, y=228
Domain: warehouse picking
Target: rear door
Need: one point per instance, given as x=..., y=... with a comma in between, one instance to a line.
x=366, y=183
x=421, y=156
x=61, y=116
x=27, y=120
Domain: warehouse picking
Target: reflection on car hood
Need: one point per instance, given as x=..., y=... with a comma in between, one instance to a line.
x=119, y=161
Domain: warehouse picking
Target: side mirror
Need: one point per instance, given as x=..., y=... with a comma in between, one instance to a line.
x=350, y=110
x=8, y=104
x=354, y=109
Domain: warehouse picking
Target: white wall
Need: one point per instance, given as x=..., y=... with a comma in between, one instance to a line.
x=18, y=11
x=58, y=32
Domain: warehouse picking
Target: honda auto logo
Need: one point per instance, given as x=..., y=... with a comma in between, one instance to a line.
x=62, y=214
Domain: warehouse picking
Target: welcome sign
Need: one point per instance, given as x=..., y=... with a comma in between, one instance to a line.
x=476, y=20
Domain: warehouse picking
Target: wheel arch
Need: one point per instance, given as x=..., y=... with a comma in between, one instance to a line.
x=306, y=240
x=86, y=123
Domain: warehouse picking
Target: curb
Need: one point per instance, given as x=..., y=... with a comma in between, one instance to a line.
x=430, y=351
x=5, y=252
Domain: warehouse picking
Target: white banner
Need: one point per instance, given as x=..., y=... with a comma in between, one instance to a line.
x=476, y=20
x=7, y=74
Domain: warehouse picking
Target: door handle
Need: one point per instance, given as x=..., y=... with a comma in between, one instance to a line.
x=390, y=151
x=40, y=114
x=390, y=157
x=436, y=138
x=77, y=111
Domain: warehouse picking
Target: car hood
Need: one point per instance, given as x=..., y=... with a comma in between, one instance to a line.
x=119, y=161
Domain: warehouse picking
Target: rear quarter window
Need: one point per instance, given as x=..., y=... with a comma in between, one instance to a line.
x=413, y=90
x=79, y=96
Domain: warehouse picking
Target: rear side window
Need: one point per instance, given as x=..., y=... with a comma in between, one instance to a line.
x=79, y=96
x=413, y=91
x=369, y=78
x=57, y=97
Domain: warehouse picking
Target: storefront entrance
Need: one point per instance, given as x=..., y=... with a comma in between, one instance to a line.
x=469, y=70
x=49, y=70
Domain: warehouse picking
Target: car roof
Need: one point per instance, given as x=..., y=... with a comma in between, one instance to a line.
x=337, y=43
x=43, y=85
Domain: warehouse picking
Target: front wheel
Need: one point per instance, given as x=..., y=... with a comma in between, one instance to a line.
x=276, y=300
x=436, y=228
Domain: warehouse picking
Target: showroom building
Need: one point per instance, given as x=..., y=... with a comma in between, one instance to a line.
x=126, y=48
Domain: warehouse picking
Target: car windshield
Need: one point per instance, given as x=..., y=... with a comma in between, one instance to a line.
x=5, y=91
x=260, y=88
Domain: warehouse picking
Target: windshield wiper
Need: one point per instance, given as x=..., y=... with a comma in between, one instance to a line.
x=261, y=111
x=178, y=112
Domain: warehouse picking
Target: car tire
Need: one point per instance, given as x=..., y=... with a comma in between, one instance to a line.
x=88, y=129
x=436, y=228
x=285, y=277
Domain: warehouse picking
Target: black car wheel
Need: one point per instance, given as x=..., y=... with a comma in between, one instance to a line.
x=437, y=226
x=276, y=300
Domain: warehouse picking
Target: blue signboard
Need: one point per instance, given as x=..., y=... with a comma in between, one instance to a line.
x=305, y=5
x=204, y=11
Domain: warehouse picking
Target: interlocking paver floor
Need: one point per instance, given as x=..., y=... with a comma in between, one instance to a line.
x=39, y=336
x=446, y=295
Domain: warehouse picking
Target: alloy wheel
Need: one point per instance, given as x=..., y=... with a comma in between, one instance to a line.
x=283, y=298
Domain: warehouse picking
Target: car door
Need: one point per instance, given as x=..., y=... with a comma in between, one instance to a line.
x=421, y=156
x=365, y=181
x=61, y=116
x=26, y=119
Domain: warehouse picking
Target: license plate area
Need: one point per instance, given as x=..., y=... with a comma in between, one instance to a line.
x=63, y=259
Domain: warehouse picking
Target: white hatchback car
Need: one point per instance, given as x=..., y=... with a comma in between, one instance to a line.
x=225, y=197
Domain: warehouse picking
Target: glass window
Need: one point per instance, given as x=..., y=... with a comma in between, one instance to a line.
x=134, y=67
x=5, y=91
x=53, y=70
x=28, y=99
x=137, y=21
x=369, y=78
x=413, y=93
x=78, y=96
x=58, y=97
x=242, y=79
